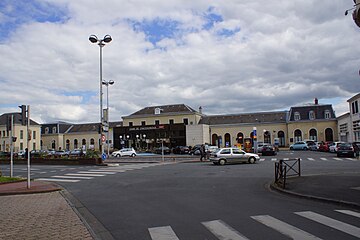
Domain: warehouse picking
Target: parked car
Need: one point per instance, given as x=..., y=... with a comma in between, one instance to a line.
x=232, y=155
x=124, y=152
x=314, y=146
x=61, y=153
x=299, y=146
x=195, y=150
x=346, y=150
x=212, y=149
x=324, y=146
x=77, y=153
x=5, y=154
x=160, y=150
x=333, y=147
x=268, y=150
x=181, y=150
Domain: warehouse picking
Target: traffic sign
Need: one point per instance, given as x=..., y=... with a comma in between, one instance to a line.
x=103, y=138
x=103, y=156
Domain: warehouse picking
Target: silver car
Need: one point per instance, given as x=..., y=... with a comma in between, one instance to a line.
x=232, y=155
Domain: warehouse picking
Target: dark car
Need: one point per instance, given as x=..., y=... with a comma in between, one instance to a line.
x=346, y=150
x=268, y=150
x=181, y=150
x=77, y=153
x=161, y=149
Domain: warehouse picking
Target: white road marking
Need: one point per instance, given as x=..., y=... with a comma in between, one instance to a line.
x=85, y=175
x=96, y=172
x=341, y=226
x=356, y=188
x=351, y=159
x=284, y=228
x=262, y=159
x=311, y=159
x=223, y=231
x=162, y=233
x=324, y=159
x=72, y=177
x=338, y=159
x=56, y=180
x=348, y=212
x=108, y=170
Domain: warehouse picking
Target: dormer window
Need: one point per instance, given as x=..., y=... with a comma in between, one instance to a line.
x=46, y=130
x=311, y=115
x=54, y=130
x=296, y=116
x=327, y=114
x=157, y=111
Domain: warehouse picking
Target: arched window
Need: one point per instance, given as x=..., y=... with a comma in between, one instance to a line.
x=297, y=135
x=227, y=140
x=297, y=116
x=67, y=144
x=92, y=141
x=313, y=134
x=54, y=130
x=53, y=144
x=46, y=130
x=75, y=143
x=267, y=137
x=240, y=138
x=329, y=135
x=215, y=140
x=281, y=136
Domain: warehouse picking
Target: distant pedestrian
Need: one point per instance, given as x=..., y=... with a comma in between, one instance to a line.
x=202, y=152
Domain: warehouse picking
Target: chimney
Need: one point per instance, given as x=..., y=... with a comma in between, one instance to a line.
x=316, y=101
x=200, y=109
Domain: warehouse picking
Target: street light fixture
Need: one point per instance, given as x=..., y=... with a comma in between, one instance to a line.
x=101, y=43
x=107, y=83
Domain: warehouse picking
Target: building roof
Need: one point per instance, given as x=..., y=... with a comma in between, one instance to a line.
x=84, y=127
x=175, y=109
x=319, y=111
x=261, y=117
x=354, y=97
x=17, y=119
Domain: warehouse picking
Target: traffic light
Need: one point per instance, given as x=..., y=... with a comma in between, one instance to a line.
x=23, y=114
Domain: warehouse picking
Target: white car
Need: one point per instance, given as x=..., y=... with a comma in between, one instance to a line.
x=232, y=155
x=124, y=152
x=333, y=147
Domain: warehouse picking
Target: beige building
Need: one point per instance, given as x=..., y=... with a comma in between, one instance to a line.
x=19, y=131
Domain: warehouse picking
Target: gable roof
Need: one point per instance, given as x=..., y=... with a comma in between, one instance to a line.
x=246, y=118
x=319, y=111
x=175, y=109
x=17, y=119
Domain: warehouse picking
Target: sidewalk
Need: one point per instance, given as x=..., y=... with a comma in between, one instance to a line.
x=339, y=188
x=48, y=215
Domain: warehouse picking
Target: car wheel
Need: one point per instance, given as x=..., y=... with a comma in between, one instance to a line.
x=133, y=155
x=252, y=160
x=291, y=148
x=305, y=148
x=222, y=162
x=117, y=155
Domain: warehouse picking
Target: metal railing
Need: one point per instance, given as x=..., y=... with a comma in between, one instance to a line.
x=286, y=168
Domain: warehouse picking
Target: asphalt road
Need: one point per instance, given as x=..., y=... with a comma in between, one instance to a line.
x=203, y=201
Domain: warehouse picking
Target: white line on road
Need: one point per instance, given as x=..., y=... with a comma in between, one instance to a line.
x=262, y=159
x=348, y=212
x=324, y=159
x=223, y=231
x=311, y=159
x=74, y=177
x=55, y=180
x=273, y=159
x=96, y=172
x=85, y=175
x=338, y=159
x=356, y=188
x=162, y=233
x=284, y=228
x=341, y=226
x=351, y=159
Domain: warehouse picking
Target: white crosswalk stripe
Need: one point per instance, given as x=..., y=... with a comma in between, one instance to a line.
x=324, y=159
x=262, y=159
x=72, y=177
x=223, y=231
x=341, y=226
x=56, y=180
x=162, y=233
x=311, y=159
x=85, y=174
x=273, y=159
x=284, y=228
x=338, y=159
x=88, y=172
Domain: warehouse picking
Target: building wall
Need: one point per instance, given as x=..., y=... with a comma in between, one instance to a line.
x=21, y=142
x=305, y=127
x=163, y=119
x=197, y=134
x=61, y=139
x=354, y=106
x=344, y=127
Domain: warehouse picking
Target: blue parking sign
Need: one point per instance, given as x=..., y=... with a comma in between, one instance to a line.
x=103, y=156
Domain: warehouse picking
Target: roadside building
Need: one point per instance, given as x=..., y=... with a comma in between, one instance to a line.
x=349, y=123
x=19, y=132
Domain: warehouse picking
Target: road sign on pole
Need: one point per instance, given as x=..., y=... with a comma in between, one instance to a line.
x=103, y=138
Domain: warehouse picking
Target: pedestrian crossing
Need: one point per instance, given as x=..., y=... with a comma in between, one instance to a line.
x=93, y=173
x=223, y=231
x=335, y=159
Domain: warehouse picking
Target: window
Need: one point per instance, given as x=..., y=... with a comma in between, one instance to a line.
x=355, y=107
x=21, y=134
x=75, y=143
x=226, y=151
x=21, y=146
x=4, y=134
x=130, y=124
x=237, y=151
x=54, y=130
x=186, y=121
x=143, y=123
x=296, y=116
x=327, y=114
x=46, y=130
x=157, y=122
x=171, y=121
x=311, y=115
x=34, y=146
x=34, y=134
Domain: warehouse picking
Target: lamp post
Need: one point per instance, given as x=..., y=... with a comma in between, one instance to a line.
x=101, y=43
x=107, y=83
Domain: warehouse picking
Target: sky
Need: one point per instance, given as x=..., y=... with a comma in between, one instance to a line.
x=230, y=57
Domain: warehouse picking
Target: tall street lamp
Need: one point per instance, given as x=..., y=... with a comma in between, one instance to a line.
x=107, y=119
x=101, y=43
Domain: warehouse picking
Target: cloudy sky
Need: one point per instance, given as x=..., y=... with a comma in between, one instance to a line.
x=233, y=56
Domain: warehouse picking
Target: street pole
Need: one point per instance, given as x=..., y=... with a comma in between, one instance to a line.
x=107, y=107
x=12, y=147
x=28, y=143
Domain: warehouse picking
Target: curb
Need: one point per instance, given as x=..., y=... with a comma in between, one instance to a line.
x=273, y=186
x=52, y=187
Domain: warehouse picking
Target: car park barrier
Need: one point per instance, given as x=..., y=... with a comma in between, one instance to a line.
x=286, y=168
